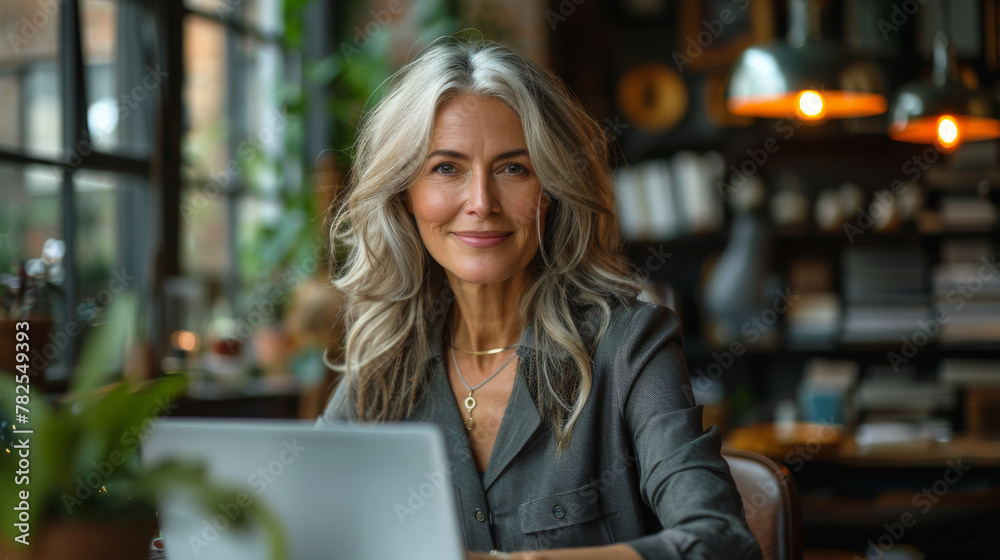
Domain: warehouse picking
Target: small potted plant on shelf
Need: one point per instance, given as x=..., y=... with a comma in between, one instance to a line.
x=79, y=490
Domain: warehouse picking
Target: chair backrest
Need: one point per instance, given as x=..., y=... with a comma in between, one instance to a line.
x=770, y=501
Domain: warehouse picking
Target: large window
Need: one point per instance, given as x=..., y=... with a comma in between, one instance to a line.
x=140, y=140
x=236, y=165
x=79, y=87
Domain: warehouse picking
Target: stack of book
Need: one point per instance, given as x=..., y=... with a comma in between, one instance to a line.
x=886, y=295
x=888, y=393
x=967, y=212
x=896, y=405
x=967, y=292
x=663, y=199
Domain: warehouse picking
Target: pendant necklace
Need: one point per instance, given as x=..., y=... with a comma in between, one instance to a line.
x=470, y=401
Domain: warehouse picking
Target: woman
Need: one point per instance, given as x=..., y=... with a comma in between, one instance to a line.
x=486, y=293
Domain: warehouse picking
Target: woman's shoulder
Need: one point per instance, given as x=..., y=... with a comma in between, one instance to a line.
x=635, y=328
x=641, y=342
x=635, y=315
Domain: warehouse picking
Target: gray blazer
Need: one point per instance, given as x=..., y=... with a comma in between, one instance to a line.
x=639, y=470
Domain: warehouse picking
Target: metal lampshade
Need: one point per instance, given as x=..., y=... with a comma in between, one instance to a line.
x=806, y=78
x=944, y=112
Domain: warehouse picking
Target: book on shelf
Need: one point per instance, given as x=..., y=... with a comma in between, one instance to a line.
x=666, y=198
x=886, y=293
x=814, y=320
x=965, y=372
x=900, y=406
x=657, y=185
x=967, y=212
x=823, y=393
x=884, y=390
x=965, y=249
x=966, y=289
x=965, y=280
x=880, y=324
x=631, y=204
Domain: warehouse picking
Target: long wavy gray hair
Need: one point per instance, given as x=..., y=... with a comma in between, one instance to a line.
x=394, y=290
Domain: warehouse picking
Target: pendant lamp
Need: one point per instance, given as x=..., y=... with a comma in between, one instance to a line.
x=805, y=78
x=943, y=112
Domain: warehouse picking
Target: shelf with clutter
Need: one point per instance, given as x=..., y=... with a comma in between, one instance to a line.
x=826, y=269
x=786, y=272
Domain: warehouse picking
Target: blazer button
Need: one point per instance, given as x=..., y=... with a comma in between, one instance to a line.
x=558, y=512
x=480, y=516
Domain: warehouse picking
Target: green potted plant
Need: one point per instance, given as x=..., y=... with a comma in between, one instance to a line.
x=79, y=489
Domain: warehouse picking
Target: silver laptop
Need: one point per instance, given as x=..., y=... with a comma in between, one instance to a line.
x=345, y=491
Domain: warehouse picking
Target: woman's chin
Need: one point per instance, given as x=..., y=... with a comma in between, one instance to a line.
x=483, y=275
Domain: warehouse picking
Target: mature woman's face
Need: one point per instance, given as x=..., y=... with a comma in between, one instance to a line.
x=477, y=193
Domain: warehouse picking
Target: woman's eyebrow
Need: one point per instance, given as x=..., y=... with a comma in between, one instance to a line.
x=458, y=155
x=512, y=154
x=447, y=153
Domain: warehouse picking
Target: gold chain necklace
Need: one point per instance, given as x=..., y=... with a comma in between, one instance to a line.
x=484, y=352
x=470, y=401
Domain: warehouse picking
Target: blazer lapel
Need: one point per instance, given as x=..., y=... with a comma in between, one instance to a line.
x=520, y=421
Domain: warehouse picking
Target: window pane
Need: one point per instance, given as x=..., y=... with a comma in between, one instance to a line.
x=31, y=30
x=265, y=15
x=29, y=212
x=204, y=231
x=10, y=116
x=259, y=122
x=42, y=111
x=31, y=117
x=121, y=87
x=205, y=144
x=264, y=236
x=99, y=29
x=113, y=238
x=96, y=221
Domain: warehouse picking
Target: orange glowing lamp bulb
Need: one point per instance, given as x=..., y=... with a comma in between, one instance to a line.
x=185, y=340
x=811, y=105
x=949, y=136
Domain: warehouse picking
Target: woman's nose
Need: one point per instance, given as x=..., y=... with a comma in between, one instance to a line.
x=482, y=200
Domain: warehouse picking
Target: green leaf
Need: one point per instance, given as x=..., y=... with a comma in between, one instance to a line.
x=325, y=69
x=104, y=351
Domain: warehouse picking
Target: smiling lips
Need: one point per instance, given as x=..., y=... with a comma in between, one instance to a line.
x=483, y=239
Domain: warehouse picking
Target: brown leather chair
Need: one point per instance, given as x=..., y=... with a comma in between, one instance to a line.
x=770, y=501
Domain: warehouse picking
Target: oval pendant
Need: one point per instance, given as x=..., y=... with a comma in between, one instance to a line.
x=470, y=402
x=469, y=423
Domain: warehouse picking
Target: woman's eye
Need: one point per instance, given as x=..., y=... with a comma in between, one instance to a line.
x=514, y=168
x=445, y=168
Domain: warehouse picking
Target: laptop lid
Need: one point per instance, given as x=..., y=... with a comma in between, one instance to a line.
x=344, y=491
